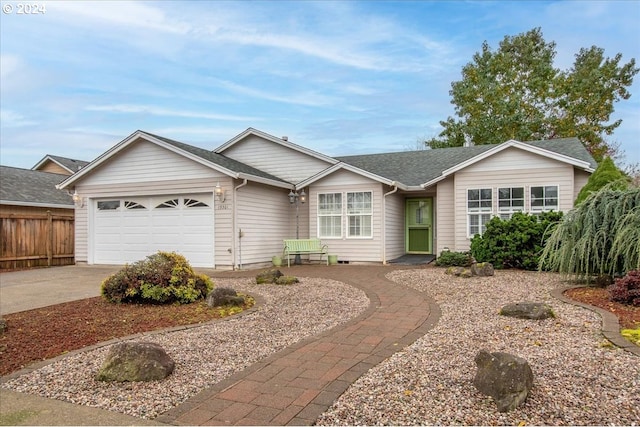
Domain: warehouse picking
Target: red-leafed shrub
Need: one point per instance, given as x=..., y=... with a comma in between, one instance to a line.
x=626, y=290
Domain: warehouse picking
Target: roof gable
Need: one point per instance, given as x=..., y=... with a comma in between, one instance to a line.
x=70, y=165
x=204, y=157
x=426, y=167
x=284, y=141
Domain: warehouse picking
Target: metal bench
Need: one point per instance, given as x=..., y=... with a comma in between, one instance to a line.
x=304, y=247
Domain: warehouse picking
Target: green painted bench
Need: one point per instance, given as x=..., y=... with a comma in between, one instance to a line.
x=304, y=247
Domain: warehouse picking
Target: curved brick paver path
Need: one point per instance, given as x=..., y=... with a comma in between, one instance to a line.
x=297, y=384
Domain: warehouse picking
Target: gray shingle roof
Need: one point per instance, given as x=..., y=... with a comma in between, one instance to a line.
x=218, y=159
x=29, y=186
x=414, y=168
x=72, y=164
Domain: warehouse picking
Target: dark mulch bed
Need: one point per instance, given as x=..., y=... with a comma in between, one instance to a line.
x=628, y=315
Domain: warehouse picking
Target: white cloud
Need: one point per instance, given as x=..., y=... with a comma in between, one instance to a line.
x=158, y=111
x=11, y=119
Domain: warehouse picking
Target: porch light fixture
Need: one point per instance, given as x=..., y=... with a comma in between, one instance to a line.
x=296, y=198
x=219, y=193
x=78, y=200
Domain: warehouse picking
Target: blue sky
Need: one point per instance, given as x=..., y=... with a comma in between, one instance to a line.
x=335, y=76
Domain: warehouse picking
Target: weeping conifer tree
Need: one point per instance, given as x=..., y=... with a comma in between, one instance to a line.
x=599, y=237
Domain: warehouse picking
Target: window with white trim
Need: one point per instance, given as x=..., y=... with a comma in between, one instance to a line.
x=544, y=198
x=510, y=200
x=359, y=214
x=479, y=208
x=330, y=215
x=108, y=205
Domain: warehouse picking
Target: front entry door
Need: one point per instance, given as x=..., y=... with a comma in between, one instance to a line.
x=419, y=226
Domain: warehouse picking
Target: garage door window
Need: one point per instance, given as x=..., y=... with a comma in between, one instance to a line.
x=128, y=204
x=173, y=203
x=193, y=203
x=108, y=205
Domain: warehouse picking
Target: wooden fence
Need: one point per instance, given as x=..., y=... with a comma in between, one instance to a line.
x=36, y=240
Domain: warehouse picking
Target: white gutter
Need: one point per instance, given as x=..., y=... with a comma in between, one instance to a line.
x=384, y=222
x=236, y=233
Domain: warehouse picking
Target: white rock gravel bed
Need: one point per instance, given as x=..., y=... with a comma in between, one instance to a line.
x=577, y=380
x=204, y=355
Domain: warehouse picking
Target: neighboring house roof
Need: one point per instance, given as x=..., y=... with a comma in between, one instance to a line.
x=72, y=165
x=425, y=167
x=208, y=158
x=26, y=187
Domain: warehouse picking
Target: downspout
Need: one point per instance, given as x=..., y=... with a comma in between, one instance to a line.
x=236, y=233
x=384, y=222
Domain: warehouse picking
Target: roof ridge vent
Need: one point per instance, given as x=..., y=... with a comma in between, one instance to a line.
x=285, y=138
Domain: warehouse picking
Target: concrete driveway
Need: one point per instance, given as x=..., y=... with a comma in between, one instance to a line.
x=28, y=289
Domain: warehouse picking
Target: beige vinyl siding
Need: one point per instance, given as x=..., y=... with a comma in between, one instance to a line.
x=52, y=167
x=580, y=179
x=444, y=221
x=285, y=163
x=395, y=231
x=142, y=160
x=510, y=168
x=81, y=234
x=349, y=249
x=265, y=218
x=223, y=224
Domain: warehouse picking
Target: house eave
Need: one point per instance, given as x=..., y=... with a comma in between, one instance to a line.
x=36, y=204
x=129, y=140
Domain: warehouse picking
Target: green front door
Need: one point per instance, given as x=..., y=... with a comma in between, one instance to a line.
x=418, y=223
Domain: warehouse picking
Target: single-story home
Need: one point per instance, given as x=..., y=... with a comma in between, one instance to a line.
x=231, y=207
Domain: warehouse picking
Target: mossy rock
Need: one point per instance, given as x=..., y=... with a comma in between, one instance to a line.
x=268, y=276
x=287, y=280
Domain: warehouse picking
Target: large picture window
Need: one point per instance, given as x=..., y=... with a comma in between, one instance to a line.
x=544, y=199
x=359, y=214
x=510, y=200
x=479, y=207
x=330, y=215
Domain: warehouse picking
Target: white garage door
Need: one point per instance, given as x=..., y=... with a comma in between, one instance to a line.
x=129, y=229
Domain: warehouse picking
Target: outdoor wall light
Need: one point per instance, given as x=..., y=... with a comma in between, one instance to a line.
x=78, y=200
x=219, y=193
x=295, y=197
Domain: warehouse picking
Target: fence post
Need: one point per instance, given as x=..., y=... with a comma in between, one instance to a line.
x=50, y=240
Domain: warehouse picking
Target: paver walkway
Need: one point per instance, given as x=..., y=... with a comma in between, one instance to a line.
x=297, y=384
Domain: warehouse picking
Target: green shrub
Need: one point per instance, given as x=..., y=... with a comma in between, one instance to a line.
x=453, y=259
x=516, y=242
x=626, y=290
x=161, y=278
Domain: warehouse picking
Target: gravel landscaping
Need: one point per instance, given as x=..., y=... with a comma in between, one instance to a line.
x=578, y=378
x=204, y=355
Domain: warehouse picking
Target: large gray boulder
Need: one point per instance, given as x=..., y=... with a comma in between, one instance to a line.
x=528, y=310
x=224, y=296
x=136, y=361
x=3, y=326
x=504, y=377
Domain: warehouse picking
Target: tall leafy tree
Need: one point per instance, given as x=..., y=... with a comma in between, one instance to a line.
x=515, y=92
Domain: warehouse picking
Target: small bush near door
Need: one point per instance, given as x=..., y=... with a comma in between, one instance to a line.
x=162, y=278
x=453, y=259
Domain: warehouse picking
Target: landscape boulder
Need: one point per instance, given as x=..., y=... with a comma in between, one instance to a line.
x=504, y=377
x=224, y=296
x=287, y=280
x=136, y=361
x=482, y=269
x=268, y=276
x=528, y=310
x=3, y=326
x=459, y=272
